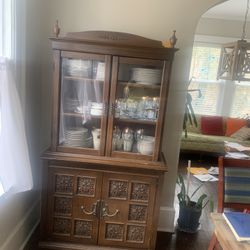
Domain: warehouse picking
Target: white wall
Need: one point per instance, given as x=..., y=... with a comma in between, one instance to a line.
x=153, y=19
x=221, y=28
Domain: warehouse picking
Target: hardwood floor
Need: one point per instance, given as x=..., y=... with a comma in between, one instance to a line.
x=177, y=240
x=200, y=240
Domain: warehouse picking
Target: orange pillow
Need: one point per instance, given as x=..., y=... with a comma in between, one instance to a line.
x=234, y=124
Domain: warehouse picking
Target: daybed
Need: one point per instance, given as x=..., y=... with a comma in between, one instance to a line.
x=212, y=132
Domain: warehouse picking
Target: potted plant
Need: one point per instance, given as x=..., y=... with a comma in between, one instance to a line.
x=190, y=210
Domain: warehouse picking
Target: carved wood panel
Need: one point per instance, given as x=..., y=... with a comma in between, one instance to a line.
x=137, y=212
x=62, y=226
x=86, y=185
x=118, y=189
x=114, y=231
x=63, y=205
x=83, y=228
x=135, y=233
x=64, y=184
x=140, y=191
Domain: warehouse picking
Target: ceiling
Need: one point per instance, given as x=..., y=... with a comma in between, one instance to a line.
x=229, y=10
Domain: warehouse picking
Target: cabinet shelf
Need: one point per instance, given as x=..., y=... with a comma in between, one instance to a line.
x=135, y=121
x=78, y=78
x=80, y=115
x=140, y=85
x=138, y=156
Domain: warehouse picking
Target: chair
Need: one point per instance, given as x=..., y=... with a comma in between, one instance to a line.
x=233, y=188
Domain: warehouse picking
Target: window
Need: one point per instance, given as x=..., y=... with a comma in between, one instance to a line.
x=15, y=170
x=204, y=66
x=241, y=100
x=6, y=28
x=218, y=97
x=6, y=48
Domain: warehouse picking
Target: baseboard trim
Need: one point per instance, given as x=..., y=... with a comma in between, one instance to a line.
x=25, y=228
x=166, y=219
x=30, y=234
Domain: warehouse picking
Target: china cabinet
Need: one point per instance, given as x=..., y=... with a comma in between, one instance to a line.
x=102, y=174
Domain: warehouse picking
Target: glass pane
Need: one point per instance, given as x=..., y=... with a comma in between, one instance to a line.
x=205, y=62
x=136, y=108
x=81, y=103
x=241, y=100
x=205, y=103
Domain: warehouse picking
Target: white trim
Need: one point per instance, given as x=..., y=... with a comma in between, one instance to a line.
x=29, y=235
x=213, y=40
x=27, y=224
x=166, y=219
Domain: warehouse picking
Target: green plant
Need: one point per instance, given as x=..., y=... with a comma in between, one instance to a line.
x=186, y=200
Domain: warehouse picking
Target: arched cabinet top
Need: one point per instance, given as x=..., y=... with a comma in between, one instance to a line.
x=111, y=42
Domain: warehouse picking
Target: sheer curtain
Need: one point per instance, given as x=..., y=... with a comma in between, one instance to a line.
x=15, y=169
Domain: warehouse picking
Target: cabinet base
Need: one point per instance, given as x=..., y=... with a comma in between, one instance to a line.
x=69, y=246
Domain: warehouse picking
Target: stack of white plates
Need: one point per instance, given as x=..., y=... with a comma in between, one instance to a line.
x=78, y=137
x=79, y=68
x=71, y=105
x=146, y=76
x=96, y=109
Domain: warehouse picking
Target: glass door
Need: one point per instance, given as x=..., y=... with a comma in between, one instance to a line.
x=136, y=108
x=83, y=103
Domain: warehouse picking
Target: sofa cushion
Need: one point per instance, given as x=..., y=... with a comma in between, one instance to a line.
x=192, y=128
x=212, y=125
x=242, y=134
x=208, y=143
x=234, y=124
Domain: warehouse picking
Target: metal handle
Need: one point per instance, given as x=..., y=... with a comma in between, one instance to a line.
x=105, y=212
x=94, y=209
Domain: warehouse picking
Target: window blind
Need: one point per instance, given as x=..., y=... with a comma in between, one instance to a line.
x=241, y=100
x=203, y=70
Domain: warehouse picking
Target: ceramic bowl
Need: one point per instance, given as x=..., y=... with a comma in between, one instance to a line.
x=146, y=145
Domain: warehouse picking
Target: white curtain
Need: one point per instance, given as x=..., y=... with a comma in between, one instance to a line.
x=15, y=169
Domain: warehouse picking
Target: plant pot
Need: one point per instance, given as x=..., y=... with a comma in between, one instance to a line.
x=189, y=218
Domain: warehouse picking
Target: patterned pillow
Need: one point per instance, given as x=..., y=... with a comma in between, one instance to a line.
x=242, y=134
x=237, y=185
x=234, y=124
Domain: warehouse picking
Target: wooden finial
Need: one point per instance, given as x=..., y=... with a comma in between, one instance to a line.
x=56, y=29
x=173, y=39
x=171, y=42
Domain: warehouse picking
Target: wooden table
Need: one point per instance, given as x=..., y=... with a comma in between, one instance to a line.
x=225, y=236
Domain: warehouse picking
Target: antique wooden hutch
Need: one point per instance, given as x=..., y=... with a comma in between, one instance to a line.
x=103, y=172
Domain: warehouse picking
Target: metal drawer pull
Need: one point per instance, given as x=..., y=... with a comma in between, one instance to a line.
x=93, y=212
x=105, y=212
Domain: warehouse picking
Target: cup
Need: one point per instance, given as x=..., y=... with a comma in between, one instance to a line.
x=146, y=145
x=127, y=145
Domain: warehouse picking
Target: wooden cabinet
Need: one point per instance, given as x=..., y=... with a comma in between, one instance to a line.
x=110, y=208
x=103, y=171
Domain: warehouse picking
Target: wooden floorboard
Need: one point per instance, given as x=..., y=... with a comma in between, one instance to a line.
x=177, y=240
